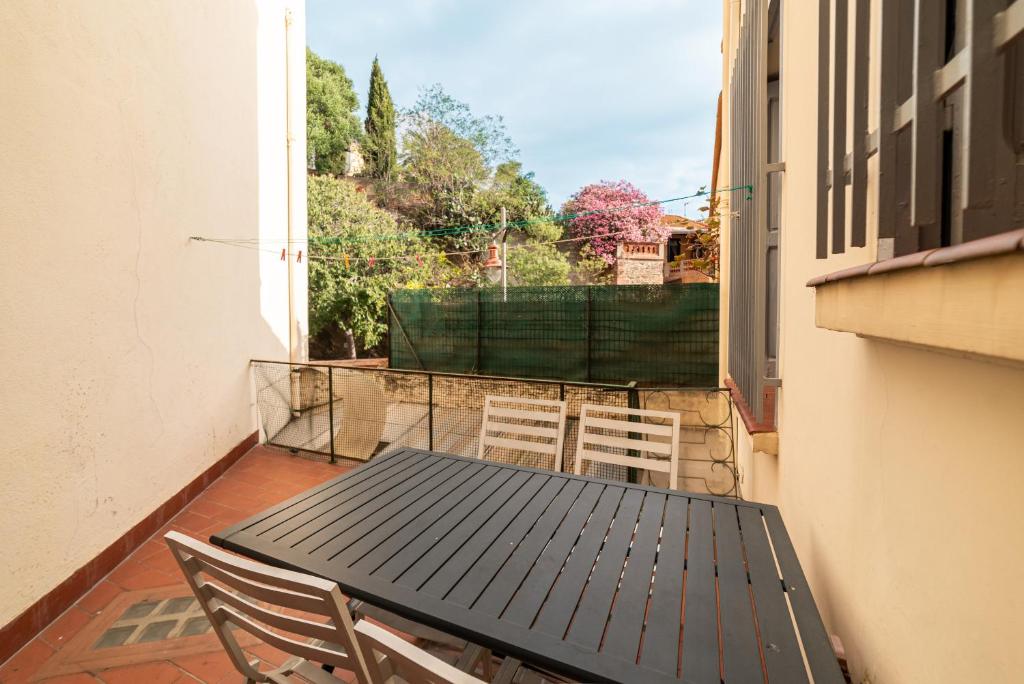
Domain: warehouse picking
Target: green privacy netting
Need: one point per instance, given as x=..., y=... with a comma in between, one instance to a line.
x=656, y=335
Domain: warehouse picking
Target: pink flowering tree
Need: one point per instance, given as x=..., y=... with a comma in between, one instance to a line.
x=613, y=212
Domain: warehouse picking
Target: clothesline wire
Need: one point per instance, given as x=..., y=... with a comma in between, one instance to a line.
x=410, y=257
x=479, y=228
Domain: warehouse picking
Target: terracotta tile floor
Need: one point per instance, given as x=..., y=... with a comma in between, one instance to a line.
x=65, y=651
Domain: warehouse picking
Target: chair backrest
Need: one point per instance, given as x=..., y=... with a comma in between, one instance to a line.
x=229, y=587
x=607, y=435
x=532, y=425
x=388, y=654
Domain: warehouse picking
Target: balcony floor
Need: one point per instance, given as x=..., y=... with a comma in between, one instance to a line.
x=148, y=583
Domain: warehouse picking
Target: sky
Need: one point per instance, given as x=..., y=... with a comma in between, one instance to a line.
x=590, y=90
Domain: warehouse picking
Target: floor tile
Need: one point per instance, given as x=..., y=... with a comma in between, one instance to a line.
x=148, y=673
x=79, y=678
x=99, y=597
x=65, y=627
x=209, y=667
x=26, y=662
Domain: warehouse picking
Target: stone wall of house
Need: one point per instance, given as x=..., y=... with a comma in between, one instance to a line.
x=640, y=263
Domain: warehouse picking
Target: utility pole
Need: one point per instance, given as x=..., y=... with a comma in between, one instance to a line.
x=504, y=256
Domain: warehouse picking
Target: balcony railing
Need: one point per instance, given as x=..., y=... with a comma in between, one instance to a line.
x=334, y=411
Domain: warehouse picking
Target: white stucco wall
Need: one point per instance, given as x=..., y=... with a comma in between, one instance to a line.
x=127, y=128
x=899, y=468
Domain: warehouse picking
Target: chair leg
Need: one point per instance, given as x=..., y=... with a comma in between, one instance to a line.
x=471, y=655
x=506, y=671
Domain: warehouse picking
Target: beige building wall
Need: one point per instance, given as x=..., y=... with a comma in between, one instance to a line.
x=127, y=128
x=899, y=468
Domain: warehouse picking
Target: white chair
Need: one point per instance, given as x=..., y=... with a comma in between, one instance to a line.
x=606, y=434
x=535, y=426
x=239, y=593
x=393, y=659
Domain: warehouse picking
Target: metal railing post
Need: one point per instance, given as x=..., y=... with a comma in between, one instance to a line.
x=561, y=397
x=391, y=337
x=330, y=410
x=589, y=332
x=479, y=330
x=430, y=411
x=633, y=402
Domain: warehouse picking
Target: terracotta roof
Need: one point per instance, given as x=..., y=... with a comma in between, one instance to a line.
x=676, y=221
x=994, y=245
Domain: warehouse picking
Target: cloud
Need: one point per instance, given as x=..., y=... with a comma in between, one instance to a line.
x=589, y=90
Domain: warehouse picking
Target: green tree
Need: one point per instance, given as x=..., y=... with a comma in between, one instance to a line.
x=331, y=123
x=486, y=133
x=381, y=151
x=537, y=264
x=445, y=172
x=523, y=198
x=358, y=254
x=590, y=269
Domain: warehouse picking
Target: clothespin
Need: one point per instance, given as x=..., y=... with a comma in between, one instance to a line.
x=298, y=259
x=373, y=260
x=283, y=253
x=419, y=259
x=346, y=261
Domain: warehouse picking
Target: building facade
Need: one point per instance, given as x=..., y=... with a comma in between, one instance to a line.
x=873, y=317
x=130, y=128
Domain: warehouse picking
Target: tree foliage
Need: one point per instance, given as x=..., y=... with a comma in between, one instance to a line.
x=523, y=198
x=381, y=150
x=346, y=290
x=589, y=269
x=709, y=240
x=633, y=218
x=331, y=123
x=537, y=264
x=444, y=173
x=486, y=133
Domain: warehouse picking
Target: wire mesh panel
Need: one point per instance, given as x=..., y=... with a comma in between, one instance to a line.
x=294, y=408
x=651, y=334
x=359, y=413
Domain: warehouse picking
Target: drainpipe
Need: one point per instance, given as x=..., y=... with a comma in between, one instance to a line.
x=289, y=139
x=295, y=393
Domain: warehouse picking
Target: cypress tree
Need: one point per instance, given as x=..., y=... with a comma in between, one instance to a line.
x=381, y=151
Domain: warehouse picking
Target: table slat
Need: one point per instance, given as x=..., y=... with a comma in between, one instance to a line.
x=359, y=483
x=740, y=653
x=817, y=644
x=480, y=575
x=564, y=519
x=700, y=626
x=781, y=651
x=387, y=560
x=310, y=537
x=471, y=550
x=558, y=575
x=411, y=510
x=661, y=636
x=412, y=569
x=591, y=617
x=554, y=616
x=625, y=627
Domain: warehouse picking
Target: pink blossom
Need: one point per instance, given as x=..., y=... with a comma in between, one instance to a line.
x=633, y=218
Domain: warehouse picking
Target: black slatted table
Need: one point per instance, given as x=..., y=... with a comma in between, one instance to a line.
x=596, y=580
